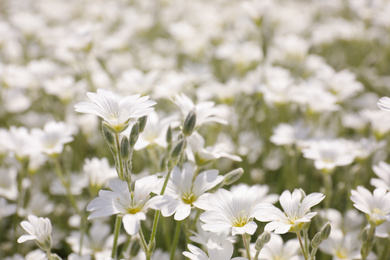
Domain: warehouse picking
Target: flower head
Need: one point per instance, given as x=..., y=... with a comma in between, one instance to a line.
x=39, y=229
x=132, y=206
x=183, y=191
x=376, y=205
x=116, y=111
x=232, y=211
x=296, y=212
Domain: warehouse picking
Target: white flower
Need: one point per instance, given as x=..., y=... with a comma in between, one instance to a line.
x=276, y=249
x=296, y=212
x=39, y=229
x=376, y=205
x=206, y=112
x=53, y=137
x=327, y=154
x=6, y=209
x=98, y=171
x=382, y=170
x=233, y=211
x=183, y=191
x=116, y=111
x=132, y=206
x=342, y=246
x=216, y=251
x=384, y=103
x=8, y=184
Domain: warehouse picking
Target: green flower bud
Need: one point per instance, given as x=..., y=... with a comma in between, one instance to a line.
x=325, y=231
x=142, y=123
x=125, y=148
x=316, y=241
x=262, y=240
x=108, y=136
x=134, y=249
x=189, y=123
x=178, y=149
x=169, y=135
x=233, y=176
x=134, y=134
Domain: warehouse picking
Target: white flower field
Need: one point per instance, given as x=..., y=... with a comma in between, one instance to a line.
x=203, y=130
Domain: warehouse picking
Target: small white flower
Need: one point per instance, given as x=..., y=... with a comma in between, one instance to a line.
x=376, y=205
x=206, y=112
x=276, y=249
x=98, y=171
x=384, y=103
x=216, y=251
x=296, y=212
x=183, y=191
x=53, y=137
x=132, y=206
x=327, y=154
x=116, y=111
x=233, y=211
x=382, y=170
x=342, y=246
x=39, y=229
x=6, y=209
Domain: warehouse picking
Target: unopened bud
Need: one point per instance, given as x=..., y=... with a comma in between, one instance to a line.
x=233, y=176
x=325, y=231
x=134, y=134
x=169, y=135
x=108, y=136
x=142, y=123
x=178, y=149
x=189, y=123
x=125, y=149
x=316, y=241
x=262, y=240
x=134, y=249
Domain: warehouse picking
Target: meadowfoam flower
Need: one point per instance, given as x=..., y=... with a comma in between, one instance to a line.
x=376, y=205
x=132, y=206
x=233, y=211
x=116, y=111
x=296, y=212
x=183, y=191
x=39, y=229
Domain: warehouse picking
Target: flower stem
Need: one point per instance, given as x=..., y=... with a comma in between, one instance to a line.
x=175, y=239
x=246, y=244
x=119, y=166
x=66, y=185
x=368, y=243
x=302, y=247
x=116, y=235
x=49, y=256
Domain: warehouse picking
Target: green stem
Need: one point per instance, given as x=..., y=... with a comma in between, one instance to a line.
x=144, y=245
x=328, y=189
x=66, y=185
x=175, y=239
x=48, y=253
x=247, y=246
x=116, y=235
x=367, y=245
x=302, y=247
x=119, y=166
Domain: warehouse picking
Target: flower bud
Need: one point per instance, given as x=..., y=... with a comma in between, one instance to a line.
x=189, y=123
x=134, y=249
x=125, y=149
x=134, y=134
x=108, y=136
x=178, y=149
x=262, y=240
x=325, y=231
x=316, y=241
x=169, y=135
x=142, y=123
x=233, y=176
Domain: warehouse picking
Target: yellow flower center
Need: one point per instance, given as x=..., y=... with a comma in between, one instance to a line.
x=133, y=210
x=241, y=220
x=342, y=253
x=188, y=198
